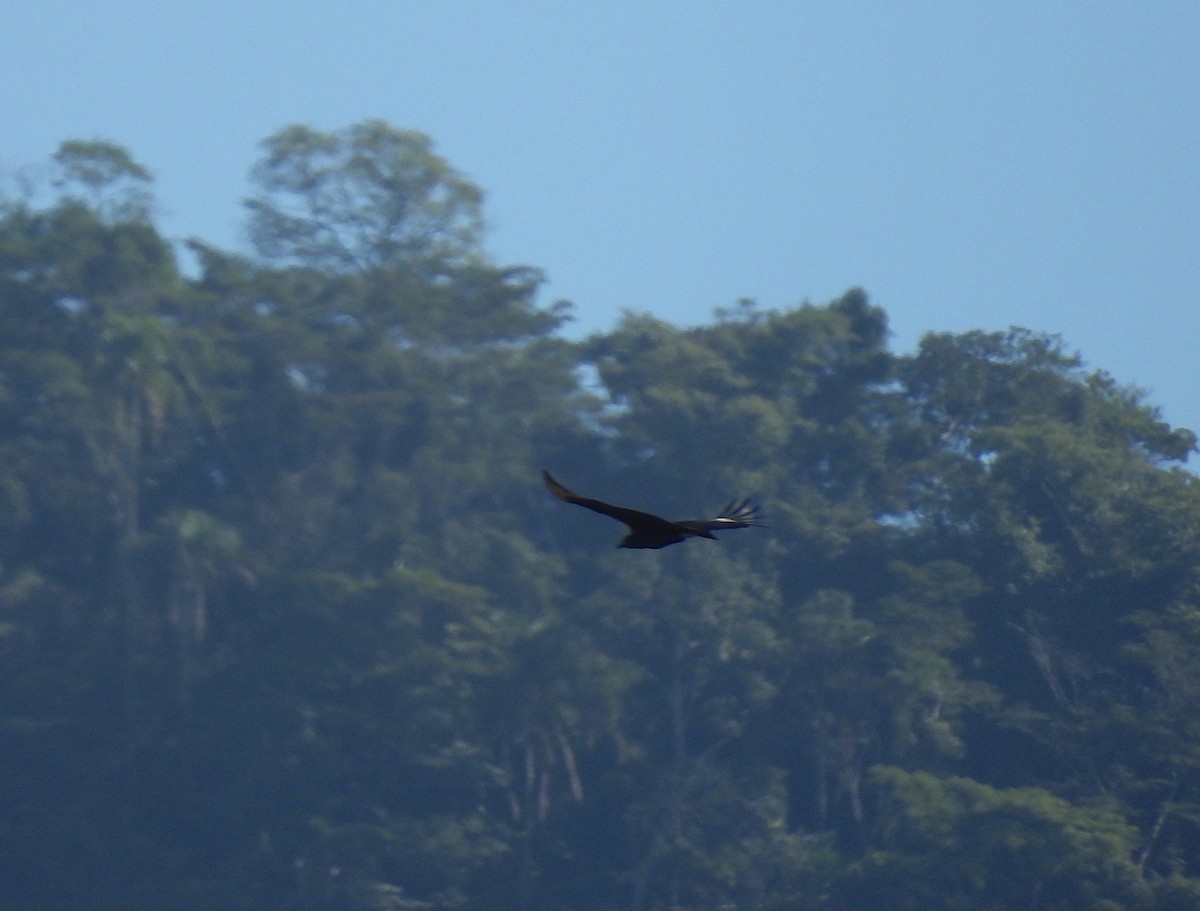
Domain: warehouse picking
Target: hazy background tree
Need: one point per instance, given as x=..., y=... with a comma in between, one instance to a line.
x=288, y=620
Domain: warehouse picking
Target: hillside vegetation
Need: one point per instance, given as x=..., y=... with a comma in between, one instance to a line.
x=288, y=620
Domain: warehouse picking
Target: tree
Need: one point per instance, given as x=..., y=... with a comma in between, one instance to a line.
x=367, y=197
x=875, y=681
x=949, y=843
x=113, y=184
x=287, y=618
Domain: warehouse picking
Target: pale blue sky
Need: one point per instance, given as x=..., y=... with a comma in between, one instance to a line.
x=970, y=164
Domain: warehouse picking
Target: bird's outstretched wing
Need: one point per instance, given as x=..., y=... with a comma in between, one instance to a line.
x=632, y=517
x=738, y=514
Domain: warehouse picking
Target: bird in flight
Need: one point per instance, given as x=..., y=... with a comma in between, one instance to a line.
x=650, y=531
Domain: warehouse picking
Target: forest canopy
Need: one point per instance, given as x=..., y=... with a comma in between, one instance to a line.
x=288, y=620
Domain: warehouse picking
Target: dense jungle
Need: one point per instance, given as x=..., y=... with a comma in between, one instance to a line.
x=288, y=619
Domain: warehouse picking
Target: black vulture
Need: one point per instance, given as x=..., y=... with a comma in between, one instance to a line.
x=650, y=531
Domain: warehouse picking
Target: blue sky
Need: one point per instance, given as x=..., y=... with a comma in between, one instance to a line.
x=971, y=165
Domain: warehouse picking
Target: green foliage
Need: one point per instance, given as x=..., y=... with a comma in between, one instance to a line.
x=287, y=620
x=370, y=196
x=112, y=183
x=955, y=843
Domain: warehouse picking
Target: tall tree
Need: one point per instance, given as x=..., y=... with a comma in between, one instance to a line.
x=370, y=196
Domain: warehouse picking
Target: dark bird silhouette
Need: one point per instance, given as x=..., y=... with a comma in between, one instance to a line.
x=650, y=531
